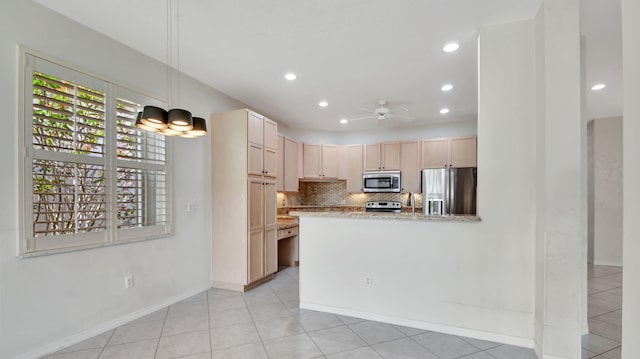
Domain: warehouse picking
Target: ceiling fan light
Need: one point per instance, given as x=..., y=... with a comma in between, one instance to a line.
x=180, y=120
x=154, y=117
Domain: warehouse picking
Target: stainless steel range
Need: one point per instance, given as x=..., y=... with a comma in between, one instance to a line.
x=383, y=206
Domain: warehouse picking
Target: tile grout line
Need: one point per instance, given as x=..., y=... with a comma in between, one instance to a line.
x=107, y=343
x=209, y=325
x=164, y=321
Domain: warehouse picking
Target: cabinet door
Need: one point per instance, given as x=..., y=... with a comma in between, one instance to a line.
x=256, y=255
x=256, y=204
x=410, y=168
x=270, y=165
x=391, y=156
x=280, y=164
x=354, y=171
x=290, y=164
x=434, y=153
x=255, y=128
x=270, y=130
x=255, y=163
x=270, y=251
x=311, y=160
x=270, y=211
x=330, y=161
x=372, y=157
x=463, y=152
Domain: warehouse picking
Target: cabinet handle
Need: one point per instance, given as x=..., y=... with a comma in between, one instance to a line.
x=289, y=232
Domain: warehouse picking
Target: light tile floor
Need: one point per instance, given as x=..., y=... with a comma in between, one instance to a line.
x=605, y=313
x=267, y=323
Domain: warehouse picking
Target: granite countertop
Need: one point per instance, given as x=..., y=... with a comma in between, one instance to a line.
x=387, y=215
x=286, y=222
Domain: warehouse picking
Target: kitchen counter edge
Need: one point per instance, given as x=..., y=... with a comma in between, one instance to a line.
x=387, y=215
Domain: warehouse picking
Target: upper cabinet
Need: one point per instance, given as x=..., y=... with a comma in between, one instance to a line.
x=288, y=164
x=320, y=161
x=463, y=152
x=262, y=134
x=354, y=168
x=410, y=167
x=382, y=156
x=449, y=152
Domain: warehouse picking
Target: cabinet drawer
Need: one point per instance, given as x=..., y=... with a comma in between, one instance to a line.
x=286, y=233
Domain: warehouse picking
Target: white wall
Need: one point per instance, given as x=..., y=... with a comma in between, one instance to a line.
x=409, y=133
x=607, y=191
x=46, y=301
x=474, y=279
x=631, y=178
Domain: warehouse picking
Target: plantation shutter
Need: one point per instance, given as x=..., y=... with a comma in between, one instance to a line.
x=90, y=175
x=142, y=193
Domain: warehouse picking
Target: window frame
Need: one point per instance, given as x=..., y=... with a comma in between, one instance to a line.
x=28, y=244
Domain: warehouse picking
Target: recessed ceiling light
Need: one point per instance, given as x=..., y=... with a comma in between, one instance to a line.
x=290, y=76
x=446, y=87
x=323, y=104
x=444, y=110
x=344, y=121
x=450, y=47
x=598, y=87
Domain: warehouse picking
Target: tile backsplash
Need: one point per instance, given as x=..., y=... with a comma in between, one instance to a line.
x=335, y=194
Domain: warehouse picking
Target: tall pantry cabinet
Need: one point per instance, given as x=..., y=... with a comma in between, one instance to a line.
x=243, y=176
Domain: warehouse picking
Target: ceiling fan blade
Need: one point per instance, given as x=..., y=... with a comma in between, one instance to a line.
x=365, y=110
x=361, y=118
x=400, y=116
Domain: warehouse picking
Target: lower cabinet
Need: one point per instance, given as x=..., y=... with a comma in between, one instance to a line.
x=263, y=244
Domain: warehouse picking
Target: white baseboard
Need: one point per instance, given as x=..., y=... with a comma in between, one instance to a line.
x=464, y=332
x=608, y=263
x=537, y=349
x=112, y=324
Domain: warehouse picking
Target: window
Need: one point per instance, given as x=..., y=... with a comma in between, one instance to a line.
x=90, y=176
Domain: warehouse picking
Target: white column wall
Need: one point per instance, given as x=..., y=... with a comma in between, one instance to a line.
x=564, y=217
x=631, y=178
x=49, y=301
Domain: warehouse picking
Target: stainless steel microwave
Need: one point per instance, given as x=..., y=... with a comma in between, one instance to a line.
x=381, y=181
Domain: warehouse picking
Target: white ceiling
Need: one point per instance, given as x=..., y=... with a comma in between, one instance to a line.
x=349, y=53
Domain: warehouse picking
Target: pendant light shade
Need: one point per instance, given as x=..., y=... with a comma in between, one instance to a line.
x=169, y=132
x=180, y=120
x=154, y=117
x=141, y=125
x=199, y=128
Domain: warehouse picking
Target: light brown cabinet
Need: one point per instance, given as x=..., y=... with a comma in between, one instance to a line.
x=320, y=161
x=288, y=168
x=262, y=228
x=243, y=171
x=354, y=168
x=449, y=152
x=263, y=143
x=382, y=156
x=410, y=167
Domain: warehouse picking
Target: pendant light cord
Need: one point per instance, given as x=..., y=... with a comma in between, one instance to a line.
x=177, y=103
x=169, y=73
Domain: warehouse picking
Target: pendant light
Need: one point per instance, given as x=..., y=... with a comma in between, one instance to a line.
x=176, y=121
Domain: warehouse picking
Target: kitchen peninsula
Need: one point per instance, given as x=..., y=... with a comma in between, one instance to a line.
x=400, y=268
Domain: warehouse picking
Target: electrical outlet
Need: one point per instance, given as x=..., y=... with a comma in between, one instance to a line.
x=367, y=281
x=128, y=281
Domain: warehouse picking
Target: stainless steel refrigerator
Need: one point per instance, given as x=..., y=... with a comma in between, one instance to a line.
x=449, y=190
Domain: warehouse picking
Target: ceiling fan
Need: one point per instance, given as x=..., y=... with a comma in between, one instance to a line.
x=382, y=112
